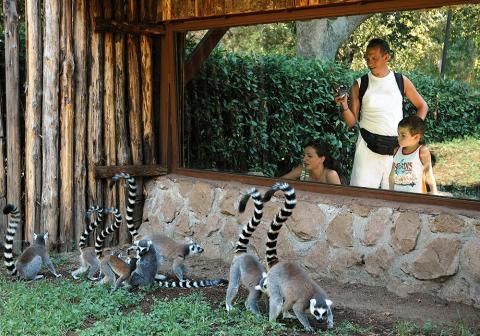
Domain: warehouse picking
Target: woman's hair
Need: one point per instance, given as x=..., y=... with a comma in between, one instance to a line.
x=322, y=149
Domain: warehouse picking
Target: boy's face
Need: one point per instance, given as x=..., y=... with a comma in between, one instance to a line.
x=407, y=139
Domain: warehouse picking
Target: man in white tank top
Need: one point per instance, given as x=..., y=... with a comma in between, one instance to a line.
x=379, y=113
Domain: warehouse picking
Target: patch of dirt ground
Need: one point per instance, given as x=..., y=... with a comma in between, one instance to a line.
x=365, y=306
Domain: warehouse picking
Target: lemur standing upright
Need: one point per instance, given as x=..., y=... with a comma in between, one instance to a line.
x=245, y=266
x=287, y=284
x=30, y=262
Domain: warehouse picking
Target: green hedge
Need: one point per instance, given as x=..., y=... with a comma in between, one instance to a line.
x=253, y=114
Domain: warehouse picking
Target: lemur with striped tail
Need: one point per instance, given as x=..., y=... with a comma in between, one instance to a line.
x=90, y=256
x=145, y=272
x=131, y=199
x=245, y=267
x=30, y=262
x=287, y=284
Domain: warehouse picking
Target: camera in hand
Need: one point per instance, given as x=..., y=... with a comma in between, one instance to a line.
x=341, y=91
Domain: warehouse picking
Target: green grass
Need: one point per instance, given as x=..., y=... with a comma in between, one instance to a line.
x=429, y=329
x=63, y=307
x=457, y=167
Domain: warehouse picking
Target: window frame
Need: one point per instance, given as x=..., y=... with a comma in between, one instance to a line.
x=175, y=28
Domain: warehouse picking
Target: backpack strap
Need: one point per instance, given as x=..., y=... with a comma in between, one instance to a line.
x=399, y=80
x=363, y=88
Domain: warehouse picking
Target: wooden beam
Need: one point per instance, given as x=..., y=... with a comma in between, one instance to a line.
x=325, y=10
x=201, y=53
x=102, y=172
x=113, y=26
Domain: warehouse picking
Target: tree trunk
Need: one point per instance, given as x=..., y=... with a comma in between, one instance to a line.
x=95, y=109
x=50, y=120
x=33, y=122
x=321, y=39
x=443, y=62
x=66, y=129
x=81, y=105
x=14, y=166
x=123, y=150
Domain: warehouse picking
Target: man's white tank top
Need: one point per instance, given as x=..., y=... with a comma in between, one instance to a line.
x=408, y=172
x=381, y=109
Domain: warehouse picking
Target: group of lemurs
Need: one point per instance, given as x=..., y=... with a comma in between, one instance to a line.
x=287, y=285
x=114, y=268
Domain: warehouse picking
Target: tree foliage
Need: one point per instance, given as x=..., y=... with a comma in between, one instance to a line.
x=416, y=38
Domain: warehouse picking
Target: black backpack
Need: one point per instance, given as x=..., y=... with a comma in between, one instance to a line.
x=364, y=86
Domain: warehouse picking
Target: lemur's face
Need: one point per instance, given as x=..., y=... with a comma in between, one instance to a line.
x=319, y=309
x=263, y=284
x=195, y=248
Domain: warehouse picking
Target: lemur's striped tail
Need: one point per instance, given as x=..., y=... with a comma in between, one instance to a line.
x=252, y=224
x=13, y=222
x=99, y=241
x=90, y=225
x=191, y=283
x=280, y=218
x=132, y=195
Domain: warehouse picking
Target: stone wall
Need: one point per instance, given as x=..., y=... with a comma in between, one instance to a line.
x=406, y=249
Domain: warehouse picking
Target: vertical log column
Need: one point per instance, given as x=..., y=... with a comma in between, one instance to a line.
x=33, y=114
x=14, y=162
x=95, y=108
x=50, y=120
x=123, y=150
x=81, y=104
x=66, y=128
x=146, y=47
x=109, y=127
x=50, y=125
x=3, y=173
x=135, y=109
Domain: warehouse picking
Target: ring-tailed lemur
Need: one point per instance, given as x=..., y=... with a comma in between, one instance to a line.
x=100, y=240
x=246, y=267
x=132, y=195
x=146, y=267
x=173, y=252
x=287, y=284
x=112, y=266
x=30, y=262
x=88, y=257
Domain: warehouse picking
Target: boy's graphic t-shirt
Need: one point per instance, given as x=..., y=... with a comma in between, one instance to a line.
x=408, y=172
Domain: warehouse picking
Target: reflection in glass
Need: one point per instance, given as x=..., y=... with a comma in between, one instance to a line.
x=268, y=90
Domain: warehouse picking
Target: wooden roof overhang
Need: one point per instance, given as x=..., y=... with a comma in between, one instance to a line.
x=223, y=18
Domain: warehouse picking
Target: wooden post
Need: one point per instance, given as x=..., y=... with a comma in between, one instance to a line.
x=146, y=47
x=50, y=120
x=81, y=104
x=123, y=150
x=135, y=111
x=66, y=128
x=33, y=113
x=14, y=162
x=109, y=129
x=3, y=173
x=95, y=109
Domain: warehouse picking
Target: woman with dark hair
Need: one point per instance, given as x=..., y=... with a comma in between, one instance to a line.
x=317, y=165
